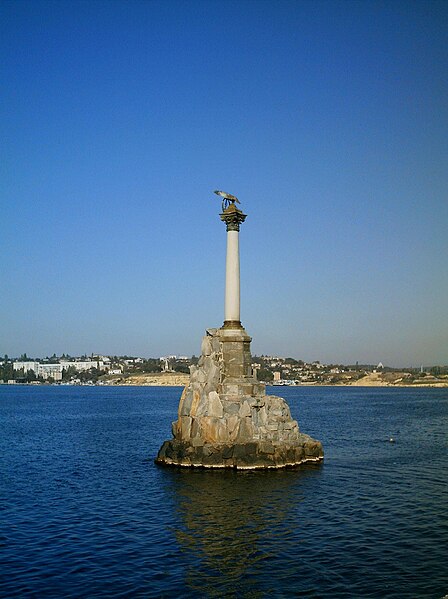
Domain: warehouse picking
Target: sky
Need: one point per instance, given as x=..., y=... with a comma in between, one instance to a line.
x=328, y=120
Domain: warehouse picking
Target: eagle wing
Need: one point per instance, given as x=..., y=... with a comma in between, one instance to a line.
x=227, y=196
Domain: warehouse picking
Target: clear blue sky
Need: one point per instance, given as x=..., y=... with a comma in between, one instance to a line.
x=329, y=120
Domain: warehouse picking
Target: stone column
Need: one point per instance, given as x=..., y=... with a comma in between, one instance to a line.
x=233, y=218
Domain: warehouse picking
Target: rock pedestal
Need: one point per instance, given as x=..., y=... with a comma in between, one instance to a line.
x=226, y=420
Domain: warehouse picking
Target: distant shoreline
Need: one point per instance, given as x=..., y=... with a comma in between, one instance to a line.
x=180, y=385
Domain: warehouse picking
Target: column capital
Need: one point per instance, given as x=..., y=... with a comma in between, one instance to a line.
x=233, y=217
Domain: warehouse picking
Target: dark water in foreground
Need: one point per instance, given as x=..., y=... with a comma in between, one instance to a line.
x=86, y=513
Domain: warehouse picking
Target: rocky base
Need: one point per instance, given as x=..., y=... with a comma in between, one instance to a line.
x=243, y=456
x=226, y=420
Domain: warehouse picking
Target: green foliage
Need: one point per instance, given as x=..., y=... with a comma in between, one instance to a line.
x=180, y=366
x=149, y=365
x=265, y=375
x=6, y=371
x=91, y=375
x=292, y=361
x=436, y=370
x=69, y=373
x=31, y=376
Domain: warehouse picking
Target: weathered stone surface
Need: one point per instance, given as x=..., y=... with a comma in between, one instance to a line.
x=185, y=407
x=244, y=410
x=215, y=408
x=225, y=419
x=246, y=430
x=267, y=447
x=231, y=407
x=206, y=346
x=185, y=425
x=201, y=377
x=254, y=455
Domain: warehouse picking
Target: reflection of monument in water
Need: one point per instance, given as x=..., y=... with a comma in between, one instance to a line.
x=225, y=419
x=234, y=525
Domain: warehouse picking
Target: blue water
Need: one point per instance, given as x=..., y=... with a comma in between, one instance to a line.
x=86, y=513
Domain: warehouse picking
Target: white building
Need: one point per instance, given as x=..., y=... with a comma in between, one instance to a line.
x=50, y=370
x=82, y=365
x=55, y=370
x=29, y=365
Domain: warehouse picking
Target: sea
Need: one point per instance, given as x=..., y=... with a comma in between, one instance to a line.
x=85, y=512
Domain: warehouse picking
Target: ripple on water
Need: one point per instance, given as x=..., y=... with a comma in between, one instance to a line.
x=86, y=513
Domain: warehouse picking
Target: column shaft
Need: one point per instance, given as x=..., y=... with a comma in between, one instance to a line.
x=232, y=299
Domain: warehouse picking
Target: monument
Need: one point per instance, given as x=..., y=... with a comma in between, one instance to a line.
x=225, y=419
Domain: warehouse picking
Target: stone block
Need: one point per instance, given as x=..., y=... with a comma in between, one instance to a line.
x=215, y=408
x=266, y=447
x=181, y=401
x=230, y=389
x=214, y=459
x=197, y=442
x=247, y=389
x=195, y=429
x=239, y=450
x=231, y=407
x=206, y=346
x=208, y=361
x=233, y=428
x=213, y=374
x=227, y=452
x=232, y=423
x=201, y=375
x=223, y=432
x=276, y=412
x=245, y=431
x=214, y=430
x=299, y=454
x=196, y=386
x=162, y=451
x=259, y=389
x=185, y=426
x=262, y=416
x=244, y=410
x=250, y=461
x=251, y=448
x=202, y=407
x=194, y=402
x=207, y=449
x=313, y=449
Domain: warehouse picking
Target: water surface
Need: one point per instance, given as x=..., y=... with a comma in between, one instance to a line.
x=85, y=511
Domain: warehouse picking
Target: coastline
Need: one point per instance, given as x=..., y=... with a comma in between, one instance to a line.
x=176, y=379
